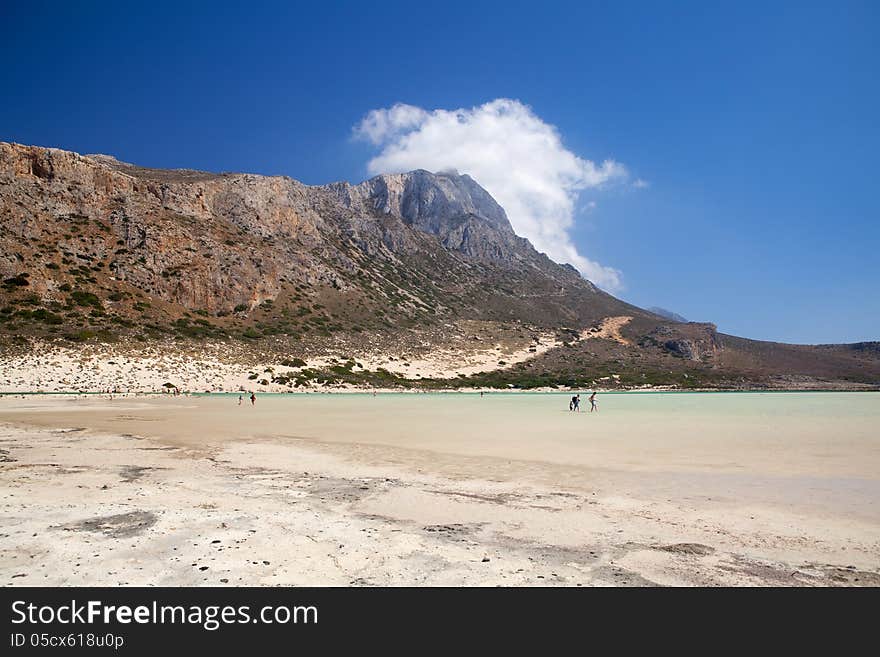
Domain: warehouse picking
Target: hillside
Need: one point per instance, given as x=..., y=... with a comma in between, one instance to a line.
x=412, y=279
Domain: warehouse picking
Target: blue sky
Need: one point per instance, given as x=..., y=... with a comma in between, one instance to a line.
x=753, y=123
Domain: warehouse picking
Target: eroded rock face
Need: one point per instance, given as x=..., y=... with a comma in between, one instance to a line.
x=692, y=341
x=196, y=240
x=454, y=208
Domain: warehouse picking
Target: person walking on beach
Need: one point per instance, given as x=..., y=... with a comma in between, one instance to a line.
x=253, y=399
x=239, y=400
x=571, y=403
x=593, y=405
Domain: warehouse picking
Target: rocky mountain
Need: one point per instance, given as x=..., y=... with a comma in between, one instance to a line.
x=96, y=250
x=666, y=314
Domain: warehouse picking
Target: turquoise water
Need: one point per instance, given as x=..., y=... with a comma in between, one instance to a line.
x=820, y=432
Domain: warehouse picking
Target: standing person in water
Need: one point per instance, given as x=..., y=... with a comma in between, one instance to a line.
x=593, y=405
x=253, y=399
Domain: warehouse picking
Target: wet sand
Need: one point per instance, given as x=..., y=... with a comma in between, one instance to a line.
x=674, y=489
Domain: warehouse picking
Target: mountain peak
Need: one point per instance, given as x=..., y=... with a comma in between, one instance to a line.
x=454, y=207
x=419, y=195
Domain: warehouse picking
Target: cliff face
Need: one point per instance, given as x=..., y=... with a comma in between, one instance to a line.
x=463, y=216
x=693, y=341
x=456, y=209
x=198, y=240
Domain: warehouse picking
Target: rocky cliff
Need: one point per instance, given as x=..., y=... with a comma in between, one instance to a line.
x=217, y=241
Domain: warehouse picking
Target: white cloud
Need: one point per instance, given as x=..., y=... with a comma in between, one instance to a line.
x=518, y=158
x=641, y=184
x=381, y=125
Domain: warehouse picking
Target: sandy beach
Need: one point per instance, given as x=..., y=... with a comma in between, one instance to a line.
x=441, y=489
x=223, y=367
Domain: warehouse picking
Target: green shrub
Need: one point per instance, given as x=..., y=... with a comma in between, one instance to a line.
x=81, y=298
x=17, y=281
x=47, y=317
x=80, y=336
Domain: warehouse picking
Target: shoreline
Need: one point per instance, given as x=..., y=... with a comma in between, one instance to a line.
x=437, y=391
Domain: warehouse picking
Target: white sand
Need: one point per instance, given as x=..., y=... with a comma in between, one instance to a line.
x=107, y=367
x=423, y=489
x=608, y=329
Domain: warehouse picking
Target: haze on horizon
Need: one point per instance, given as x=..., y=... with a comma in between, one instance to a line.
x=717, y=162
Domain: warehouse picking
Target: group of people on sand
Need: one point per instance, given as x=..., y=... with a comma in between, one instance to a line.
x=575, y=403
